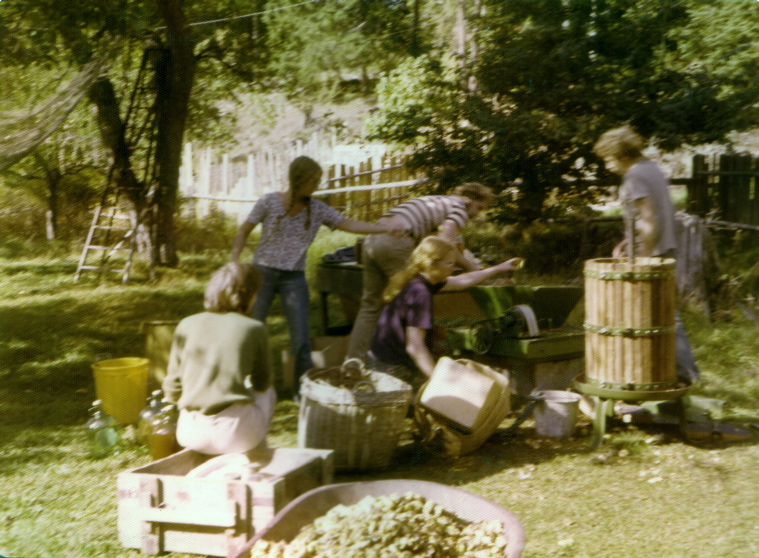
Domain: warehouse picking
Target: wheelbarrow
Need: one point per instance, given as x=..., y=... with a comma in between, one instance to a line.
x=305, y=509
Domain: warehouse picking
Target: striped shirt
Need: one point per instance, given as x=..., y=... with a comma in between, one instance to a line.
x=424, y=215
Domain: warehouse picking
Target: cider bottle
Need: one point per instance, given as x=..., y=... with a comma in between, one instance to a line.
x=147, y=415
x=162, y=441
x=102, y=436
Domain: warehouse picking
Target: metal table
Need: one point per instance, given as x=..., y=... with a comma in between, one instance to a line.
x=344, y=280
x=606, y=396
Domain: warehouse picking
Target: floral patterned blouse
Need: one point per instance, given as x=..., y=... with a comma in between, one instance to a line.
x=285, y=238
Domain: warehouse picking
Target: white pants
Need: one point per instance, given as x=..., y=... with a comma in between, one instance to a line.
x=236, y=429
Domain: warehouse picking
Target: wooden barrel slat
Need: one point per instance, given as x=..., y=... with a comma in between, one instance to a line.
x=639, y=297
x=631, y=314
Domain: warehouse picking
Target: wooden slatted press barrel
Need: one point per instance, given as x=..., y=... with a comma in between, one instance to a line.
x=630, y=323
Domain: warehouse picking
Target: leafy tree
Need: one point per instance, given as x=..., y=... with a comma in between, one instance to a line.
x=64, y=173
x=321, y=45
x=551, y=76
x=65, y=34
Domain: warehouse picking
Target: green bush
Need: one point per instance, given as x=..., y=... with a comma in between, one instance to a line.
x=549, y=247
x=215, y=231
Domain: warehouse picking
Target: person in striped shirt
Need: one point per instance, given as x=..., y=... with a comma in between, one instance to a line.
x=383, y=255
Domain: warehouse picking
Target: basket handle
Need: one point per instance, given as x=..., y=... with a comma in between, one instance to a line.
x=361, y=366
x=360, y=385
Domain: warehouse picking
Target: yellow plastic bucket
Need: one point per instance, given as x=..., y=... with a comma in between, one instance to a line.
x=122, y=385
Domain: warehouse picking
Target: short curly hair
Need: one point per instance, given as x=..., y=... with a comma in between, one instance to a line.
x=232, y=288
x=474, y=191
x=622, y=142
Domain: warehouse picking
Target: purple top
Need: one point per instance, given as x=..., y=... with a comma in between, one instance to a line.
x=412, y=307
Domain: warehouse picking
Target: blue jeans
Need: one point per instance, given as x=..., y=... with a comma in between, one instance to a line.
x=293, y=293
x=687, y=370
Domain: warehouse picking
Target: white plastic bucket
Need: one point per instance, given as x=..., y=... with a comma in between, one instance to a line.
x=556, y=413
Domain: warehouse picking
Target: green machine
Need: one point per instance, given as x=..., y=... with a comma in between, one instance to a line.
x=527, y=323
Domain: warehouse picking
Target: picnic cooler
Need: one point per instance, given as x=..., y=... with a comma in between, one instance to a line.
x=439, y=418
x=162, y=509
x=358, y=413
x=630, y=323
x=122, y=385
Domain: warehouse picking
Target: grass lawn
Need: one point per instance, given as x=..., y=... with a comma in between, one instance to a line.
x=644, y=493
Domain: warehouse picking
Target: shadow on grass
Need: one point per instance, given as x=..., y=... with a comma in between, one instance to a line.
x=50, y=343
x=413, y=460
x=524, y=452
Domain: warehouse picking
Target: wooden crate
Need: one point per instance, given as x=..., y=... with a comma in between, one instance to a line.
x=161, y=510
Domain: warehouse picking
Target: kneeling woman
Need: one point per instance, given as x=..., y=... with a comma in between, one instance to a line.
x=402, y=343
x=219, y=371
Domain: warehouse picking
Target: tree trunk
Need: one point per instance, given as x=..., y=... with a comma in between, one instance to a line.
x=175, y=73
x=532, y=195
x=53, y=177
x=112, y=131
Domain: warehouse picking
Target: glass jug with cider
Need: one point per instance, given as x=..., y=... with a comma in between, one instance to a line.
x=147, y=415
x=162, y=440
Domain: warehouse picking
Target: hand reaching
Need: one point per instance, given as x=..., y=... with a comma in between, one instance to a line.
x=510, y=265
x=620, y=250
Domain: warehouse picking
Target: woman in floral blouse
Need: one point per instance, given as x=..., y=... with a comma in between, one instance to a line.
x=290, y=221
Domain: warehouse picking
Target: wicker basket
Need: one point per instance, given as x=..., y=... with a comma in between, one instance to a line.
x=361, y=418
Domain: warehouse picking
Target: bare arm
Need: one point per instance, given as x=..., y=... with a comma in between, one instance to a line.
x=362, y=227
x=647, y=227
x=465, y=280
x=449, y=231
x=239, y=243
x=647, y=231
x=418, y=351
x=466, y=261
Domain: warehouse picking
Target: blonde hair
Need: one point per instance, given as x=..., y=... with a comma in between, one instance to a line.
x=301, y=170
x=622, y=142
x=232, y=288
x=431, y=250
x=474, y=191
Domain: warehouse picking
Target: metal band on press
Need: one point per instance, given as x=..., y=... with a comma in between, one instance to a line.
x=630, y=331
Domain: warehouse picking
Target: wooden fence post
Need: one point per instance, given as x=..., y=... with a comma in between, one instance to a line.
x=739, y=197
x=186, y=185
x=753, y=214
x=698, y=188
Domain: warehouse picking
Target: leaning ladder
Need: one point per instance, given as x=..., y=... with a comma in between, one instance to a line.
x=111, y=233
x=140, y=133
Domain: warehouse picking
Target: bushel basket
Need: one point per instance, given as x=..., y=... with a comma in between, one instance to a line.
x=358, y=413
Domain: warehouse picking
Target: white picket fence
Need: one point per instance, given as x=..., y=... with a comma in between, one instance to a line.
x=361, y=181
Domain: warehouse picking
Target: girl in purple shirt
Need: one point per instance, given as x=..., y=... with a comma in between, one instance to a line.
x=402, y=342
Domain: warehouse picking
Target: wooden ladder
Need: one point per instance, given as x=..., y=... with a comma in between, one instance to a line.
x=101, y=240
